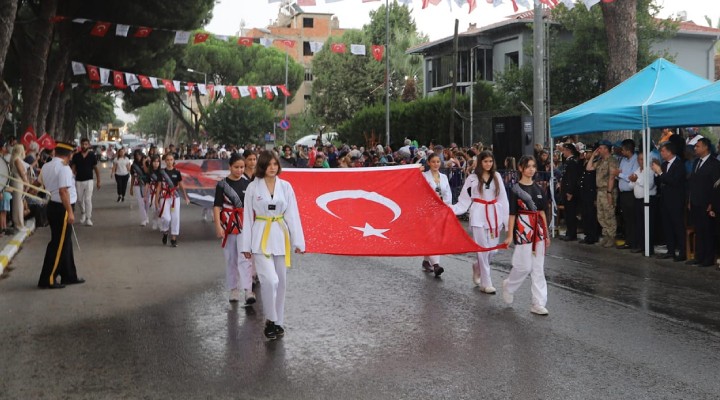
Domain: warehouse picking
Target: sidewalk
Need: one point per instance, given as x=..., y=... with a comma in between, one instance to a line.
x=11, y=244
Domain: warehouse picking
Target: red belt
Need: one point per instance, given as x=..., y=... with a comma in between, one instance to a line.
x=487, y=204
x=166, y=194
x=233, y=221
x=536, y=223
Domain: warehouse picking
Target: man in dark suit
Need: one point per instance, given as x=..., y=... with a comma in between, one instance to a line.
x=705, y=172
x=670, y=178
x=569, y=187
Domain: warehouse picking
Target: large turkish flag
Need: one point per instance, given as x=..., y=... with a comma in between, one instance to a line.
x=388, y=211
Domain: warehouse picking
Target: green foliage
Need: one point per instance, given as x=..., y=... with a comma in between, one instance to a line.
x=93, y=108
x=486, y=97
x=424, y=120
x=514, y=86
x=238, y=121
x=152, y=120
x=400, y=22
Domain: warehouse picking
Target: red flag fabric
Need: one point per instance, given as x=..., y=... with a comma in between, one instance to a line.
x=28, y=137
x=118, y=80
x=378, y=51
x=284, y=90
x=169, y=86
x=425, y=3
x=142, y=32
x=245, y=41
x=145, y=82
x=253, y=92
x=100, y=29
x=93, y=73
x=306, y=2
x=515, y=6
x=385, y=211
x=268, y=92
x=288, y=43
x=338, y=48
x=201, y=37
x=46, y=141
x=61, y=87
x=57, y=18
x=548, y=3
x=234, y=92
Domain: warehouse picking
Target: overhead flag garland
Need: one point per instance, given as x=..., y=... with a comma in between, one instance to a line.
x=100, y=77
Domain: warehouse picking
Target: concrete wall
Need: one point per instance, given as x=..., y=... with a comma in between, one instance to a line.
x=503, y=47
x=695, y=54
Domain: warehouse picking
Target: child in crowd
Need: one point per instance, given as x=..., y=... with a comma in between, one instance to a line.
x=439, y=183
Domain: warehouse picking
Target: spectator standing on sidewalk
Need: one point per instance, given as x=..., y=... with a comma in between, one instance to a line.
x=84, y=164
x=626, y=199
x=570, y=186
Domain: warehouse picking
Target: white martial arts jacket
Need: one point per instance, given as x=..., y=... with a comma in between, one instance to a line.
x=483, y=215
x=444, y=186
x=260, y=208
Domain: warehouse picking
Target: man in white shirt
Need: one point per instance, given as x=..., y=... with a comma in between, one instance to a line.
x=58, y=179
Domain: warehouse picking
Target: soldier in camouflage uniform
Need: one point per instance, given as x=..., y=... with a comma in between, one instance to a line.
x=606, y=168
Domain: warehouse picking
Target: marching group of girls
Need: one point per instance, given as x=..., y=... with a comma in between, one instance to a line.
x=256, y=216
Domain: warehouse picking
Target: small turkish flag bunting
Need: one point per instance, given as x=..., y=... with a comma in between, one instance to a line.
x=100, y=29
x=200, y=38
x=122, y=30
x=190, y=87
x=268, y=92
x=78, y=68
x=118, y=80
x=306, y=2
x=284, y=90
x=245, y=41
x=145, y=82
x=93, y=73
x=142, y=32
x=182, y=37
x=288, y=43
x=169, y=86
x=473, y=5
x=211, y=91
x=234, y=92
x=378, y=51
x=253, y=92
x=433, y=2
x=338, y=48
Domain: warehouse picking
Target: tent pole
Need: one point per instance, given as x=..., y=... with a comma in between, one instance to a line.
x=646, y=188
x=551, y=187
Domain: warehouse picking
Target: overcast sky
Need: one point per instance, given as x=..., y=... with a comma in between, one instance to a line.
x=436, y=21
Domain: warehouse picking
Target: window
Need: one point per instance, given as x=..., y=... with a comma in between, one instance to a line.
x=512, y=59
x=308, y=22
x=306, y=49
x=308, y=75
x=306, y=97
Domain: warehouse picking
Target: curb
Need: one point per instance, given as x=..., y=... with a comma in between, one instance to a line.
x=12, y=248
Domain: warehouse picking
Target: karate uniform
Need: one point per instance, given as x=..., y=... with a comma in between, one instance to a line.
x=442, y=189
x=170, y=202
x=272, y=230
x=488, y=215
x=238, y=270
x=153, y=217
x=139, y=188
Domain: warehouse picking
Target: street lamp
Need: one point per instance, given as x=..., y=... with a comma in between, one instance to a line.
x=198, y=72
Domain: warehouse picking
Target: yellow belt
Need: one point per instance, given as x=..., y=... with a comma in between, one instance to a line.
x=266, y=234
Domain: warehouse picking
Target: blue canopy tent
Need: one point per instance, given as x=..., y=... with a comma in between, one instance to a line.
x=625, y=107
x=700, y=107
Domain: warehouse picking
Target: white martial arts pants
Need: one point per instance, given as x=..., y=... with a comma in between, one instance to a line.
x=238, y=273
x=432, y=259
x=153, y=214
x=524, y=262
x=84, y=199
x=271, y=271
x=142, y=205
x=170, y=218
x=482, y=238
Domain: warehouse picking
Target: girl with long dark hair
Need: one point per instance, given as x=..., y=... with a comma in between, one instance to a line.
x=139, y=185
x=439, y=183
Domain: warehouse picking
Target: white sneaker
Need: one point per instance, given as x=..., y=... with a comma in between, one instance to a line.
x=155, y=225
x=476, y=274
x=539, y=310
x=82, y=219
x=234, y=295
x=507, y=296
x=88, y=222
x=144, y=223
x=488, y=290
x=249, y=297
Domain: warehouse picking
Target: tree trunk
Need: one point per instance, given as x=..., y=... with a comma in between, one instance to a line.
x=57, y=67
x=620, y=19
x=8, y=10
x=35, y=64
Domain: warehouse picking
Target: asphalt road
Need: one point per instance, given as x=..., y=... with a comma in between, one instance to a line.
x=153, y=322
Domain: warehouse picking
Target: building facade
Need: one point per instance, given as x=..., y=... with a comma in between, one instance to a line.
x=303, y=28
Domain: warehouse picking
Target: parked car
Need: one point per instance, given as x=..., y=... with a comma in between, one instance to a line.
x=310, y=140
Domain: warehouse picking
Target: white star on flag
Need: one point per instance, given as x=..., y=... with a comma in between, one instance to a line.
x=368, y=230
x=182, y=37
x=78, y=68
x=357, y=49
x=122, y=30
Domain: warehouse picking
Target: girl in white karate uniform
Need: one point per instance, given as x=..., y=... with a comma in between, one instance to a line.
x=153, y=177
x=439, y=183
x=168, y=202
x=272, y=228
x=528, y=229
x=484, y=195
x=139, y=185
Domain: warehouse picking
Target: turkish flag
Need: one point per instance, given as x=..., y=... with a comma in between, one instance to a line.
x=288, y=43
x=338, y=48
x=118, y=80
x=211, y=91
x=234, y=92
x=145, y=82
x=201, y=37
x=268, y=92
x=378, y=51
x=473, y=4
x=548, y=3
x=169, y=86
x=100, y=29
x=93, y=73
x=245, y=41
x=190, y=87
x=284, y=90
x=46, y=141
x=142, y=32
x=433, y=2
x=253, y=92
x=28, y=137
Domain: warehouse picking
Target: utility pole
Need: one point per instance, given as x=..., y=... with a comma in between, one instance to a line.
x=387, y=73
x=453, y=94
x=539, y=77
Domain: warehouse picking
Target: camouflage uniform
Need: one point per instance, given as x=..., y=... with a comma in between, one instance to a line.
x=605, y=203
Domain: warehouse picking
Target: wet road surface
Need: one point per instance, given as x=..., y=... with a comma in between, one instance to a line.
x=154, y=322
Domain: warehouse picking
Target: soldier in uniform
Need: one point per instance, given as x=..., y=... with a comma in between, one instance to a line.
x=588, y=196
x=606, y=169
